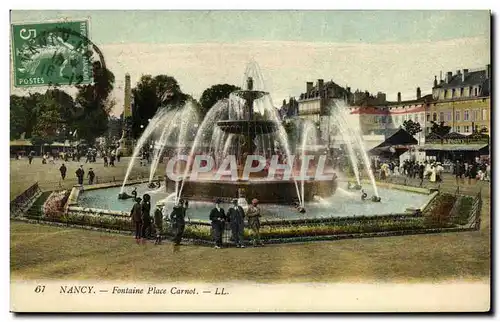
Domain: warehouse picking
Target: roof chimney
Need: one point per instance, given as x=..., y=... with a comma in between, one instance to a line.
x=399, y=97
x=435, y=81
x=309, y=86
x=419, y=93
x=320, y=84
x=448, y=77
x=465, y=73
x=488, y=71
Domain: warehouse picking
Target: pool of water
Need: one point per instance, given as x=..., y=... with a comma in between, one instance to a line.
x=342, y=203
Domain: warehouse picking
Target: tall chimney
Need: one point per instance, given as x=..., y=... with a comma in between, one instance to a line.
x=488, y=71
x=309, y=86
x=465, y=73
x=448, y=77
x=320, y=84
x=419, y=93
x=399, y=97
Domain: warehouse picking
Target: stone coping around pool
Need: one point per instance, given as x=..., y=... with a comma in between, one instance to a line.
x=388, y=185
x=113, y=184
x=98, y=211
x=286, y=240
x=72, y=203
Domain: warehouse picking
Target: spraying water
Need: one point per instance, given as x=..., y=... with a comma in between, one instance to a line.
x=266, y=105
x=355, y=131
x=307, y=130
x=159, y=117
x=162, y=142
x=347, y=137
x=206, y=126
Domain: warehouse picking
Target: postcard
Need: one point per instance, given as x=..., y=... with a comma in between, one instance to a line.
x=250, y=161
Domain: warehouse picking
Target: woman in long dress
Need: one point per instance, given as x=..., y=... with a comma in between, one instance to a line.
x=433, y=173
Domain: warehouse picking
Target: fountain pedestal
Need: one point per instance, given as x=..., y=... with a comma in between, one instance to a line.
x=126, y=146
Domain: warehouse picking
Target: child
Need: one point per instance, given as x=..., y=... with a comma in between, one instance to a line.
x=158, y=219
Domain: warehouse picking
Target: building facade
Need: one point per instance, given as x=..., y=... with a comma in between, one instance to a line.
x=462, y=101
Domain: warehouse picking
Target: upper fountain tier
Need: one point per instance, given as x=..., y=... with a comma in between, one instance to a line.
x=248, y=126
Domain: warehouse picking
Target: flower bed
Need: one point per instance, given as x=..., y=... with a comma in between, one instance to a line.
x=54, y=205
x=463, y=211
x=438, y=213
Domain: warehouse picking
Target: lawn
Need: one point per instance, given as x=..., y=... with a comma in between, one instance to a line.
x=45, y=252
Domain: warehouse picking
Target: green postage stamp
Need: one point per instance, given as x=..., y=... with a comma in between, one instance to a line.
x=55, y=53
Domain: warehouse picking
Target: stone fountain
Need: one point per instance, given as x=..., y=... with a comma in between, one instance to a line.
x=247, y=128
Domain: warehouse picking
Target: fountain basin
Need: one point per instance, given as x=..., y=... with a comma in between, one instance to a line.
x=266, y=191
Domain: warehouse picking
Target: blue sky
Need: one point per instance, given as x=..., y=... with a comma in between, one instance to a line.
x=312, y=26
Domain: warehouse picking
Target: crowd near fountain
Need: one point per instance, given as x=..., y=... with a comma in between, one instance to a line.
x=240, y=149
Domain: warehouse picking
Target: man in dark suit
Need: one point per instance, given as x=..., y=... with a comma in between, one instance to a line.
x=236, y=216
x=217, y=217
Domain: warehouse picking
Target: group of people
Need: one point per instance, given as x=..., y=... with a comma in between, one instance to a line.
x=433, y=170
x=472, y=171
x=235, y=217
x=80, y=173
x=91, y=154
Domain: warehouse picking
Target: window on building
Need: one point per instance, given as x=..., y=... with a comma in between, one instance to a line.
x=428, y=117
x=445, y=93
x=466, y=129
x=457, y=129
x=434, y=117
x=410, y=117
x=475, y=91
x=476, y=115
x=453, y=93
x=461, y=92
x=441, y=116
x=448, y=116
x=466, y=115
x=457, y=116
x=470, y=91
x=485, y=114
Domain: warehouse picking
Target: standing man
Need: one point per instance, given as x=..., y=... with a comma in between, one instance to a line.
x=253, y=214
x=63, y=170
x=91, y=176
x=158, y=217
x=137, y=219
x=236, y=216
x=178, y=219
x=79, y=174
x=146, y=217
x=30, y=156
x=217, y=217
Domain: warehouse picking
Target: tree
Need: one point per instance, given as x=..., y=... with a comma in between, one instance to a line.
x=440, y=129
x=18, y=116
x=67, y=111
x=291, y=130
x=93, y=104
x=48, y=123
x=115, y=125
x=152, y=93
x=214, y=94
x=412, y=127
